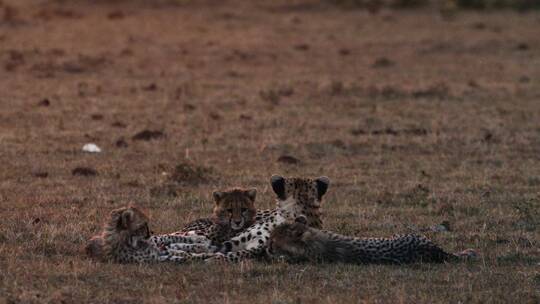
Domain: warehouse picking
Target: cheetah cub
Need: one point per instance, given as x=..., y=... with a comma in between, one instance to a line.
x=297, y=242
x=234, y=211
x=125, y=238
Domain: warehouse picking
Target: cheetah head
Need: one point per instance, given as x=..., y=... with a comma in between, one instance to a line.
x=125, y=227
x=287, y=241
x=301, y=196
x=235, y=207
x=130, y=225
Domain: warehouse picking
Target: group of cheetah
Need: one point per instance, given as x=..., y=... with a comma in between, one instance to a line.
x=237, y=231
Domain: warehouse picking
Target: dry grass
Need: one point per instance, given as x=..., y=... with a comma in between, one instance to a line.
x=417, y=120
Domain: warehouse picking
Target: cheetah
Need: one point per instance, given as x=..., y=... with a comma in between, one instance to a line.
x=297, y=242
x=234, y=211
x=125, y=238
x=295, y=197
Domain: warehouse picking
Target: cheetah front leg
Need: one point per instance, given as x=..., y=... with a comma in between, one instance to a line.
x=165, y=240
x=251, y=239
x=192, y=248
x=179, y=256
x=249, y=244
x=235, y=257
x=233, y=252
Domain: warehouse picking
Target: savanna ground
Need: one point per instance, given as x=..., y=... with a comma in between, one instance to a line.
x=418, y=119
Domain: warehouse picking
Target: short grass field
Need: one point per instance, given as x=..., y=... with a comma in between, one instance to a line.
x=421, y=118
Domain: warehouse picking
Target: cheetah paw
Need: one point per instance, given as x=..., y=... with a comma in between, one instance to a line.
x=217, y=258
x=468, y=254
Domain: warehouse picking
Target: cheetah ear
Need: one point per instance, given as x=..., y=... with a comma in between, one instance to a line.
x=278, y=185
x=126, y=219
x=218, y=195
x=322, y=185
x=252, y=193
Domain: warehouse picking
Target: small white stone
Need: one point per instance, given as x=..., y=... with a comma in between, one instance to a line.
x=91, y=148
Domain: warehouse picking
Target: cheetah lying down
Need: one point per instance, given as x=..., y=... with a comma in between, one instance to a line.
x=296, y=242
x=125, y=238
